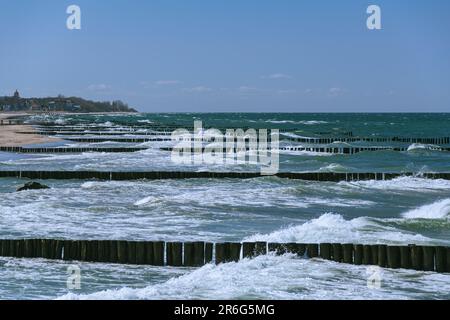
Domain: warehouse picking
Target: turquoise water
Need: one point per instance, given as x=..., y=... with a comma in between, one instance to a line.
x=403, y=211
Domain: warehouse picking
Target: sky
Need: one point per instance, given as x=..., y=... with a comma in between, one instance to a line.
x=231, y=55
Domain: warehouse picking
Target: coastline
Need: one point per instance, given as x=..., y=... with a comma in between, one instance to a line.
x=10, y=135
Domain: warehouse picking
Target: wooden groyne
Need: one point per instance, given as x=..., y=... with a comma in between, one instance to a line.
x=96, y=133
x=197, y=254
x=346, y=138
x=124, y=140
x=161, y=127
x=329, y=140
x=333, y=150
x=166, y=175
x=68, y=150
x=10, y=122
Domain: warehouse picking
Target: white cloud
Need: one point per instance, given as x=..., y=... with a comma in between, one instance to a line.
x=198, y=89
x=335, y=91
x=277, y=76
x=246, y=89
x=286, y=91
x=167, y=82
x=99, y=87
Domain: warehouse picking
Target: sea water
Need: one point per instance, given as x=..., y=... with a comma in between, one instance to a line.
x=403, y=211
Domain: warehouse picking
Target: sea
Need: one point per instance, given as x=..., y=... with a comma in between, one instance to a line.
x=409, y=209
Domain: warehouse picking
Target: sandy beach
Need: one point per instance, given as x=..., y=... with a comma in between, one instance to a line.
x=10, y=135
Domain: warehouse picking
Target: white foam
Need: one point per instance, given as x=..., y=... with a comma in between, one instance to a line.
x=305, y=122
x=293, y=135
x=334, y=228
x=421, y=147
x=402, y=183
x=436, y=210
x=147, y=200
x=334, y=167
x=281, y=277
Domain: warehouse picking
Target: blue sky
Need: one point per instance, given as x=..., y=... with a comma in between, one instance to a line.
x=232, y=55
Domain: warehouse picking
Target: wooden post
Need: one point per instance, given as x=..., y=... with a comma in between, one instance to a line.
x=222, y=253
x=296, y=248
x=174, y=254
x=358, y=252
x=278, y=248
x=325, y=251
x=45, y=245
x=140, y=252
x=199, y=257
x=248, y=249
x=29, y=247
x=348, y=253
x=312, y=250
x=83, y=250
x=367, y=255
x=75, y=250
x=382, y=255
x=122, y=256
x=405, y=257
x=89, y=248
x=102, y=247
x=37, y=252
x=441, y=259
x=12, y=248
x=208, y=252
x=20, y=248
x=448, y=259
x=374, y=252
x=393, y=257
x=149, y=255
x=131, y=252
x=191, y=254
x=428, y=258
x=59, y=249
x=416, y=257
x=3, y=248
x=66, y=247
x=93, y=250
x=113, y=251
x=158, y=253
x=260, y=248
x=235, y=251
x=337, y=252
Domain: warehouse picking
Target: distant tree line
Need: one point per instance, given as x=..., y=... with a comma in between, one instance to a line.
x=62, y=103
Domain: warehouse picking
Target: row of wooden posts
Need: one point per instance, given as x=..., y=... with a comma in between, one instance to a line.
x=99, y=133
x=333, y=150
x=10, y=122
x=155, y=127
x=311, y=140
x=165, y=175
x=436, y=141
x=70, y=149
x=122, y=140
x=196, y=254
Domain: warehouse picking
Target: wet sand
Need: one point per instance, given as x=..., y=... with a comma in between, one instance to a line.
x=10, y=134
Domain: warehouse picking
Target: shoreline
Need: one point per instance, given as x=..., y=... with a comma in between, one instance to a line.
x=10, y=135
